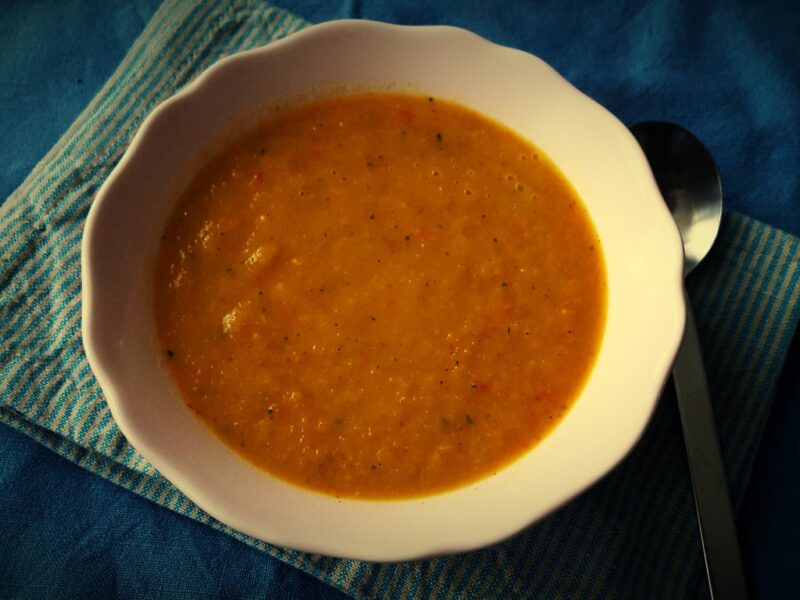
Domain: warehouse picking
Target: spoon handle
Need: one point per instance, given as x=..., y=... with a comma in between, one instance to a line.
x=713, y=503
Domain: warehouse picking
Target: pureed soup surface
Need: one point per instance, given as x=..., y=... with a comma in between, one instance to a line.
x=380, y=295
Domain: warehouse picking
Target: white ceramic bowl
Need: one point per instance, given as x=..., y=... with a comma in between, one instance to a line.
x=594, y=150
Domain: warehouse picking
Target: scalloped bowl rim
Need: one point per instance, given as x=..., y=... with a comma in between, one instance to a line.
x=119, y=343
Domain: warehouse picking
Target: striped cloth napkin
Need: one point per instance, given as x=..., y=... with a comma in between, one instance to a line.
x=631, y=535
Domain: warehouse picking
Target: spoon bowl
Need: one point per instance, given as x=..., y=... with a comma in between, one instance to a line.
x=689, y=181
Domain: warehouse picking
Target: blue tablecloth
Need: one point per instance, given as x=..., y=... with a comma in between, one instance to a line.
x=68, y=533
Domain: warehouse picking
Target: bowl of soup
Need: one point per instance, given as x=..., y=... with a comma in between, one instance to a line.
x=381, y=292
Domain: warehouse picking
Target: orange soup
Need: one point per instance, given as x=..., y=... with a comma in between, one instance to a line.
x=380, y=295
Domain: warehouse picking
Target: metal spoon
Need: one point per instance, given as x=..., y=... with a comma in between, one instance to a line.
x=689, y=181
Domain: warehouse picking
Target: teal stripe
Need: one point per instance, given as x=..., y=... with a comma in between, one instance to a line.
x=735, y=289
x=390, y=584
x=767, y=256
x=784, y=314
x=409, y=585
x=713, y=280
x=38, y=409
x=89, y=392
x=140, y=464
x=20, y=399
x=68, y=409
x=368, y=582
x=117, y=447
x=170, y=499
x=32, y=324
x=98, y=437
x=775, y=326
x=98, y=415
x=722, y=290
x=755, y=318
x=734, y=359
x=83, y=415
x=350, y=576
x=27, y=398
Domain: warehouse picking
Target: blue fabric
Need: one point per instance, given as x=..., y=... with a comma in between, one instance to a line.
x=742, y=112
